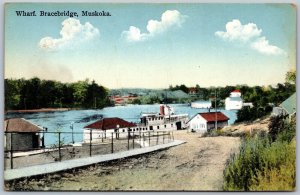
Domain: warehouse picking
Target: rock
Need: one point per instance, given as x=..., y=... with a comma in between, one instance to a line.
x=40, y=183
x=56, y=177
x=130, y=167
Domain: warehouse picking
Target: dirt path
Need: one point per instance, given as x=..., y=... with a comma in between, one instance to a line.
x=196, y=165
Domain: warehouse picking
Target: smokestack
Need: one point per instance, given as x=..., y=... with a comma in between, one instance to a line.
x=162, y=110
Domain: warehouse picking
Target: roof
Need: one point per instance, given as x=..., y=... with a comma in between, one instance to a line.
x=20, y=125
x=289, y=104
x=109, y=123
x=236, y=91
x=211, y=116
x=235, y=98
x=202, y=101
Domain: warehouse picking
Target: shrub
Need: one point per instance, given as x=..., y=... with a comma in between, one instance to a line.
x=261, y=163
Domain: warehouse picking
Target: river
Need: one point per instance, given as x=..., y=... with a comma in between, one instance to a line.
x=62, y=120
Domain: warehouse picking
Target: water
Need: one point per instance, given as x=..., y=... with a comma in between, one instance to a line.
x=61, y=121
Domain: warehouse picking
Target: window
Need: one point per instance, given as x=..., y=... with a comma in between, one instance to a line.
x=165, y=126
x=171, y=125
x=157, y=127
x=123, y=130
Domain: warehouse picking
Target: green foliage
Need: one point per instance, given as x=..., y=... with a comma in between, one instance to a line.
x=263, y=164
x=250, y=114
x=291, y=76
x=179, y=87
x=35, y=93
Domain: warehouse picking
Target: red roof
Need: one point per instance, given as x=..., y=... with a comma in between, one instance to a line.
x=110, y=123
x=20, y=125
x=211, y=116
x=238, y=91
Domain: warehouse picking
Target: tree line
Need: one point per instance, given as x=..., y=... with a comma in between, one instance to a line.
x=35, y=93
x=262, y=97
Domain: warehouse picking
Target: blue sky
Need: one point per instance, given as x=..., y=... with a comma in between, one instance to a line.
x=153, y=45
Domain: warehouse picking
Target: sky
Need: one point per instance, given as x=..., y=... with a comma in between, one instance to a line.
x=152, y=45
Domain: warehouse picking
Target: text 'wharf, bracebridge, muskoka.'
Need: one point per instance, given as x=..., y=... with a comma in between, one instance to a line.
x=62, y=13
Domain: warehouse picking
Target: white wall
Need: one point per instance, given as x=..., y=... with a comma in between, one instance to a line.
x=198, y=123
x=233, y=105
x=201, y=104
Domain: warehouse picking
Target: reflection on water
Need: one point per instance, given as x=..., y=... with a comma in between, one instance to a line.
x=64, y=120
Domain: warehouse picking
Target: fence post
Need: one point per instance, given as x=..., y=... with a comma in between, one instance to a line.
x=11, y=151
x=59, y=152
x=140, y=139
x=172, y=135
x=163, y=137
x=157, y=138
x=91, y=142
x=143, y=139
x=102, y=136
x=128, y=140
x=149, y=137
x=112, y=142
x=133, y=139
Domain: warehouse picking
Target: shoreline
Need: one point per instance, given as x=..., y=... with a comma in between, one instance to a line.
x=40, y=110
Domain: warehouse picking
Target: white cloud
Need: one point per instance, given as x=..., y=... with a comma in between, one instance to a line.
x=250, y=35
x=262, y=45
x=72, y=31
x=236, y=31
x=169, y=19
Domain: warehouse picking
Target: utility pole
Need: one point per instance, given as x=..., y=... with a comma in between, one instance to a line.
x=216, y=121
x=72, y=128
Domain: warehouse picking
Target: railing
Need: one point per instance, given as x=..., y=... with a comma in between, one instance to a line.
x=25, y=149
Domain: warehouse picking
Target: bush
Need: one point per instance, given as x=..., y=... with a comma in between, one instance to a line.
x=250, y=114
x=263, y=164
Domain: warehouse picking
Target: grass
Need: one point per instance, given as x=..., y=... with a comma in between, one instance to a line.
x=264, y=164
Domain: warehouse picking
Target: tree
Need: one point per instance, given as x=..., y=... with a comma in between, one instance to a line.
x=290, y=77
x=12, y=93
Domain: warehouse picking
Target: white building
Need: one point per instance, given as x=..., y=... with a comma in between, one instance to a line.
x=234, y=101
x=203, y=122
x=105, y=128
x=201, y=104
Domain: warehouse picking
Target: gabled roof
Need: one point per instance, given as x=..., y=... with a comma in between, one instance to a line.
x=212, y=116
x=289, y=104
x=110, y=123
x=236, y=91
x=20, y=125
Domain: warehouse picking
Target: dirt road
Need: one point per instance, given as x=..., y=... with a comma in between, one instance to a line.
x=194, y=166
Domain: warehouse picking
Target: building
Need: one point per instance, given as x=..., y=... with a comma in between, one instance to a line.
x=234, y=101
x=22, y=135
x=286, y=108
x=105, y=127
x=123, y=100
x=204, y=122
x=201, y=104
x=193, y=92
